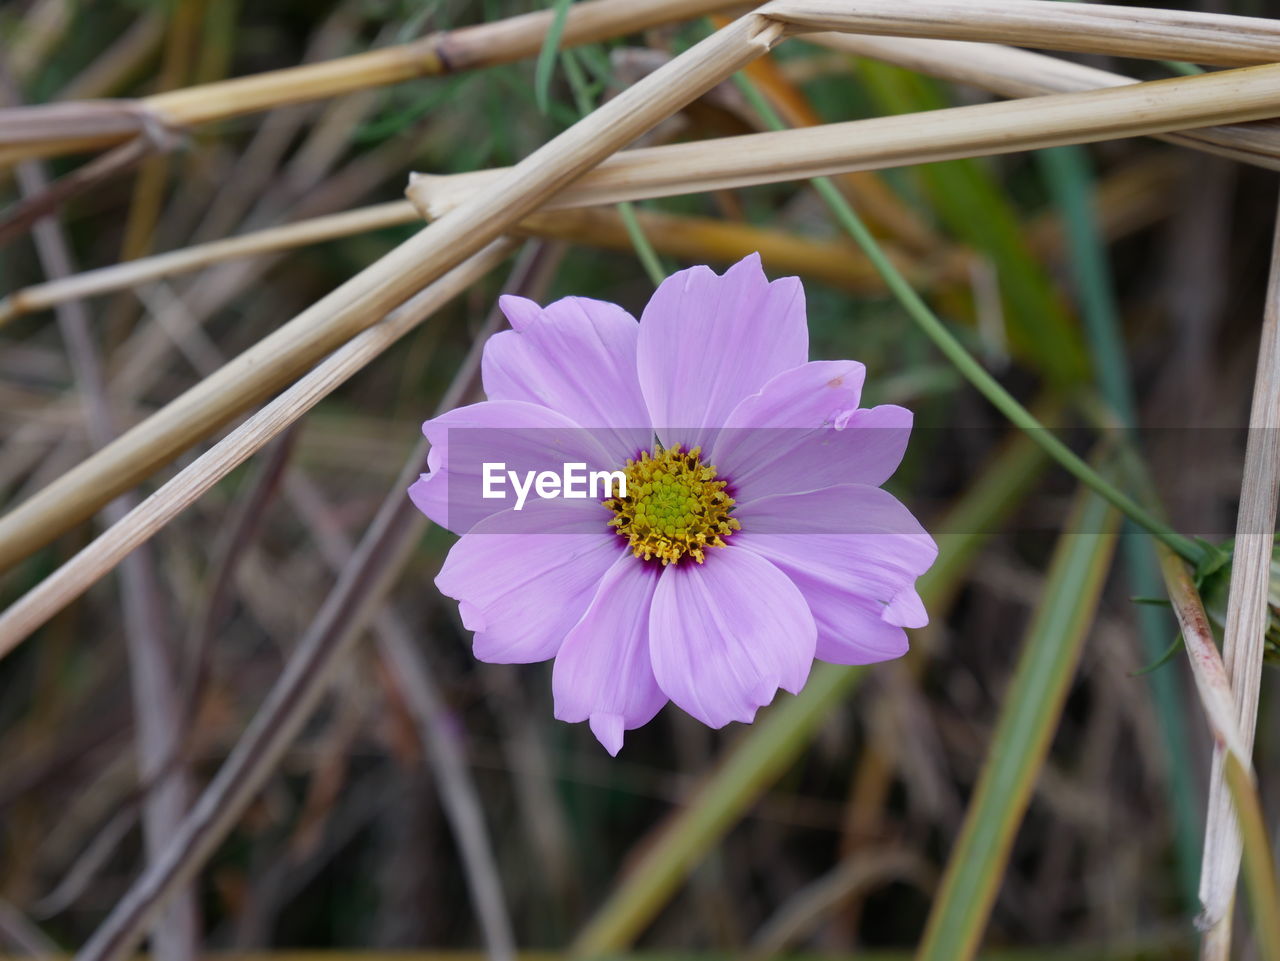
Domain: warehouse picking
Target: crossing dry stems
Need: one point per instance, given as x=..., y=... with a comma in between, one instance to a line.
x=72, y=127
x=1229, y=96
x=1127, y=200
x=1160, y=34
x=1146, y=32
x=1248, y=612
x=1012, y=72
x=362, y=300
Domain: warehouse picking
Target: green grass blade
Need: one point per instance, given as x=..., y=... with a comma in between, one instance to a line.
x=1067, y=171
x=773, y=744
x=547, y=55
x=645, y=253
x=1032, y=706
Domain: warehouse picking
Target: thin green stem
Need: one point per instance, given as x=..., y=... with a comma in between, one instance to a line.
x=645, y=252
x=547, y=55
x=974, y=372
x=579, y=85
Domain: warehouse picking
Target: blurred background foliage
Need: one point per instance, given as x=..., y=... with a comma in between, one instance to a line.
x=348, y=846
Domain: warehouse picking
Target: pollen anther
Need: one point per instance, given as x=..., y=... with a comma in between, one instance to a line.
x=675, y=506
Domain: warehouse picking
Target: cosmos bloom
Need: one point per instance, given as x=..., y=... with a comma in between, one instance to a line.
x=753, y=536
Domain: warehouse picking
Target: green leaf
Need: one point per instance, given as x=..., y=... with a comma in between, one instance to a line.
x=1163, y=659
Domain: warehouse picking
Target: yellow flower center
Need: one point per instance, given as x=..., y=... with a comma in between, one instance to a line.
x=675, y=506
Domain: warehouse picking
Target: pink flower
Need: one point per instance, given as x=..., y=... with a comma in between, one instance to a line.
x=753, y=536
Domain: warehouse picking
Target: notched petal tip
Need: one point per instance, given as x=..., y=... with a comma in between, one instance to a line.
x=764, y=694
x=519, y=311
x=750, y=270
x=472, y=617
x=906, y=609
x=748, y=262
x=429, y=494
x=795, y=684
x=608, y=729
x=684, y=280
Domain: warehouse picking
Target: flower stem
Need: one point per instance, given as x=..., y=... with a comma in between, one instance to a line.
x=954, y=351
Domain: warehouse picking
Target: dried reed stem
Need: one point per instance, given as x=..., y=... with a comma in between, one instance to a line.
x=1131, y=199
x=695, y=238
x=1097, y=28
x=23, y=933
x=359, y=302
x=72, y=127
x=1207, y=668
x=150, y=665
x=1154, y=34
x=135, y=272
x=983, y=129
x=1247, y=613
x=1011, y=72
x=16, y=219
x=40, y=30
x=867, y=191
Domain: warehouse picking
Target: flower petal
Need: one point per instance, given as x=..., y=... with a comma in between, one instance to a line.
x=578, y=357
x=725, y=635
x=764, y=427
x=855, y=553
x=602, y=673
x=519, y=435
x=862, y=446
x=707, y=342
x=524, y=578
x=810, y=395
x=609, y=730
